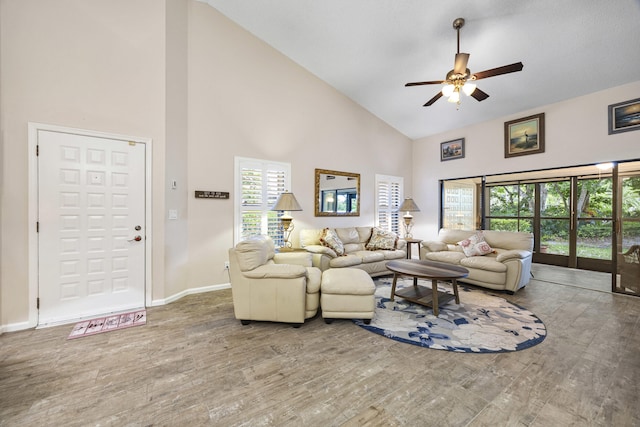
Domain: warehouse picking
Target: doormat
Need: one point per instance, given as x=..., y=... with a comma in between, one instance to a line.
x=481, y=323
x=108, y=324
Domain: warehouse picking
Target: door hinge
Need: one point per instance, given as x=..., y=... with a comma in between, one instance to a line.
x=37, y=150
x=38, y=303
x=37, y=226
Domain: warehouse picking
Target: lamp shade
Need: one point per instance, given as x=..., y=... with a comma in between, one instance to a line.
x=286, y=202
x=447, y=90
x=455, y=96
x=468, y=88
x=409, y=206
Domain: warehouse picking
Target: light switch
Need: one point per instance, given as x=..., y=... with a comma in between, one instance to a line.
x=174, y=184
x=173, y=214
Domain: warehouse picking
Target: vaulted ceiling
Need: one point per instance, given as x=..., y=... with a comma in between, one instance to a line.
x=369, y=49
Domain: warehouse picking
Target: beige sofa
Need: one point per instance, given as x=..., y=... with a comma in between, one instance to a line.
x=356, y=254
x=507, y=268
x=270, y=286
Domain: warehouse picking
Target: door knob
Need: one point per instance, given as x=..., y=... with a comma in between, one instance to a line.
x=135, y=239
x=138, y=228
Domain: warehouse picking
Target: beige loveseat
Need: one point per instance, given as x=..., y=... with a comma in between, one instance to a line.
x=507, y=268
x=356, y=255
x=270, y=286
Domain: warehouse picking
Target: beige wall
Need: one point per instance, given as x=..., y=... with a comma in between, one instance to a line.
x=96, y=65
x=204, y=91
x=246, y=99
x=576, y=134
x=176, y=251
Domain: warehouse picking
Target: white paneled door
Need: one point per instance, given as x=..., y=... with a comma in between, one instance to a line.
x=91, y=221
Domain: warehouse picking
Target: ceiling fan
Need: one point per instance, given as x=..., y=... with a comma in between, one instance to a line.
x=460, y=78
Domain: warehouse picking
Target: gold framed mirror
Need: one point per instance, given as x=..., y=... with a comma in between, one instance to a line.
x=337, y=193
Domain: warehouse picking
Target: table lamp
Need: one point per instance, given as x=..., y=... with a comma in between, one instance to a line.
x=286, y=203
x=408, y=206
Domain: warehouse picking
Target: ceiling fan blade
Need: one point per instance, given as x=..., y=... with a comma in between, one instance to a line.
x=434, y=99
x=460, y=66
x=505, y=69
x=432, y=82
x=479, y=95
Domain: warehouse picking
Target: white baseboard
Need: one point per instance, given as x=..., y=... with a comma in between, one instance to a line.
x=191, y=291
x=14, y=327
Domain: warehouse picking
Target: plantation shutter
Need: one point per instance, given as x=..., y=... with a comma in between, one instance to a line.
x=259, y=183
x=389, y=195
x=276, y=184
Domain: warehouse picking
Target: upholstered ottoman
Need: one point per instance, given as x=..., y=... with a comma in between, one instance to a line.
x=347, y=293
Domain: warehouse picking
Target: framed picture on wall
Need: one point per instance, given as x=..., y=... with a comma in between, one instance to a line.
x=624, y=116
x=451, y=150
x=524, y=136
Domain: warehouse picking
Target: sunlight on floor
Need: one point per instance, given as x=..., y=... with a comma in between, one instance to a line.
x=586, y=279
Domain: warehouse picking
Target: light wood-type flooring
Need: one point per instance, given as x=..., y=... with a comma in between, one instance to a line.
x=193, y=364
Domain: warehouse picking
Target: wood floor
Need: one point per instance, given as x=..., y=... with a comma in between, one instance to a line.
x=194, y=364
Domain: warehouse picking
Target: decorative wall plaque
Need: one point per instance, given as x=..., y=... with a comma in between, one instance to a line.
x=212, y=194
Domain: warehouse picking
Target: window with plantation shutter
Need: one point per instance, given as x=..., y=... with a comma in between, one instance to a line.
x=258, y=185
x=389, y=196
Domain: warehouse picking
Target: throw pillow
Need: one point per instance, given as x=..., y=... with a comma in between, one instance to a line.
x=330, y=239
x=382, y=239
x=475, y=245
x=471, y=240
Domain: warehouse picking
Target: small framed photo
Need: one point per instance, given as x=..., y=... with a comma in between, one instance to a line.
x=524, y=136
x=624, y=116
x=451, y=150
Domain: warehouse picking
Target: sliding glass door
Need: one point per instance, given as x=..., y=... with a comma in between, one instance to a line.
x=585, y=217
x=553, y=221
x=628, y=236
x=510, y=207
x=569, y=217
x=594, y=223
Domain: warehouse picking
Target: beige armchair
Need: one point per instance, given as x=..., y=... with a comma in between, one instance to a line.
x=270, y=286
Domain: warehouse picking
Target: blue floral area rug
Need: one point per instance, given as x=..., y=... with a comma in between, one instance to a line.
x=482, y=323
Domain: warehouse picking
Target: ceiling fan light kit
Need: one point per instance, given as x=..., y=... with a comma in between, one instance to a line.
x=460, y=78
x=447, y=89
x=469, y=88
x=452, y=91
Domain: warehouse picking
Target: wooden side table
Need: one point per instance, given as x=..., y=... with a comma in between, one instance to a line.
x=409, y=242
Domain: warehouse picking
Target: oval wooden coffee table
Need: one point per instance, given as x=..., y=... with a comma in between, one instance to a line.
x=426, y=270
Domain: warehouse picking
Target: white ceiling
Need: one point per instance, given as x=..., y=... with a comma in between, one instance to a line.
x=368, y=50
